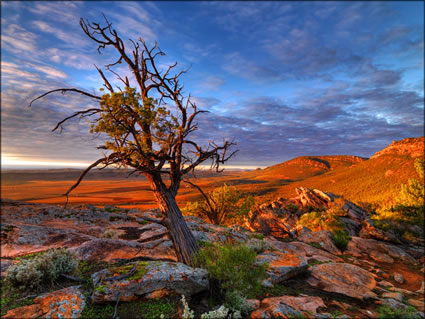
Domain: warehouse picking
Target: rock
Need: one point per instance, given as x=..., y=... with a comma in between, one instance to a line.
x=384, y=283
x=253, y=303
x=381, y=257
x=359, y=245
x=302, y=249
x=369, y=231
x=26, y=312
x=398, y=278
x=275, y=311
x=422, y=289
x=109, y=249
x=346, y=279
x=369, y=314
x=324, y=238
x=302, y=304
x=418, y=304
x=149, y=277
x=392, y=303
x=394, y=295
x=282, y=265
x=4, y=265
x=65, y=303
x=314, y=198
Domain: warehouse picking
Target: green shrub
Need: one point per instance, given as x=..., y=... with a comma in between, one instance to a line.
x=386, y=312
x=292, y=208
x=341, y=239
x=233, y=267
x=321, y=220
x=42, y=269
x=257, y=245
x=110, y=233
x=222, y=205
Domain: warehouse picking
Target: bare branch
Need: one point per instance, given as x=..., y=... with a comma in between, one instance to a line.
x=82, y=113
x=63, y=91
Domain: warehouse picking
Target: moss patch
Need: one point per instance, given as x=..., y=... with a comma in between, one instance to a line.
x=125, y=269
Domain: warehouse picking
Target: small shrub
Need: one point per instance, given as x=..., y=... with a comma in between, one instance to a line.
x=233, y=267
x=292, y=208
x=321, y=220
x=386, y=312
x=257, y=245
x=110, y=233
x=42, y=269
x=341, y=239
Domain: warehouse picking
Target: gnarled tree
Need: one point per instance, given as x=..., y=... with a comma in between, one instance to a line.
x=148, y=125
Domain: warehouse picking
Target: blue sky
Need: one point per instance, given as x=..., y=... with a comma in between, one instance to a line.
x=283, y=79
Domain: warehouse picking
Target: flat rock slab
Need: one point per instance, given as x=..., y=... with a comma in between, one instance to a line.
x=109, y=249
x=282, y=266
x=306, y=303
x=323, y=238
x=303, y=249
x=378, y=250
x=346, y=279
x=149, y=277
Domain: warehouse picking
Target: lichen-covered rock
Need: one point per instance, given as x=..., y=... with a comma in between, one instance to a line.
x=282, y=266
x=65, y=303
x=148, y=277
x=346, y=279
x=398, y=278
x=25, y=312
x=324, y=238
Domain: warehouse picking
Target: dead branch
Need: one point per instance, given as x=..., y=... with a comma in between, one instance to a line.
x=63, y=91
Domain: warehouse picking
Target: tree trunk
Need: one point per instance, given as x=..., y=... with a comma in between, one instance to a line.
x=183, y=240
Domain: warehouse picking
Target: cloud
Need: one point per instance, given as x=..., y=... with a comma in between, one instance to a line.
x=213, y=82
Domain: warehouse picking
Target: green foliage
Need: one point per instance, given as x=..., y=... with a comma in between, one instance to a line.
x=280, y=290
x=123, y=110
x=409, y=204
x=324, y=220
x=291, y=208
x=42, y=269
x=157, y=307
x=125, y=269
x=92, y=311
x=386, y=312
x=257, y=245
x=257, y=236
x=233, y=267
x=341, y=239
x=223, y=204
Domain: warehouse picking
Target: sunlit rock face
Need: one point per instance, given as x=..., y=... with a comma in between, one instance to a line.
x=346, y=279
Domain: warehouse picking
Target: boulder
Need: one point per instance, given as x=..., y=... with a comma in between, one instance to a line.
x=282, y=266
x=109, y=249
x=394, y=295
x=346, y=279
x=148, y=277
x=324, y=238
x=398, y=278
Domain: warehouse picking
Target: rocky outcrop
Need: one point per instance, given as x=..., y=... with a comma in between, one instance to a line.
x=413, y=147
x=147, y=277
x=342, y=278
x=282, y=266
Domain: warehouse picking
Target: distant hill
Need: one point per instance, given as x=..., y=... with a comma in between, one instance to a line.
x=375, y=180
x=303, y=167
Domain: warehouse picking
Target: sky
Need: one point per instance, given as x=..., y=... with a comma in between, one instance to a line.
x=283, y=79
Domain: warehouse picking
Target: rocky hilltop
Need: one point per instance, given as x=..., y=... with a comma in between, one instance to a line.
x=308, y=273
x=413, y=147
